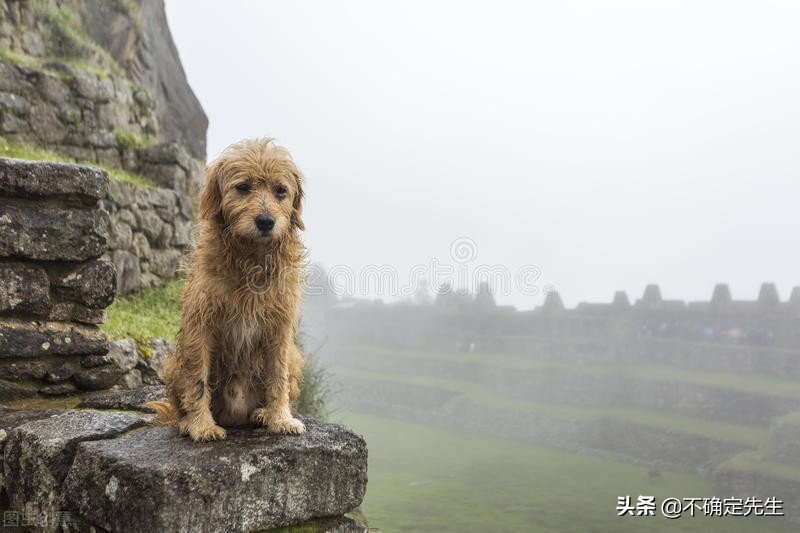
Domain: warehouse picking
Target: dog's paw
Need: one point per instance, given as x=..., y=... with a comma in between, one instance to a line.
x=207, y=433
x=201, y=432
x=288, y=426
x=278, y=424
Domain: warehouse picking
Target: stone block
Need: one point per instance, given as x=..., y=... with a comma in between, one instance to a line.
x=24, y=289
x=12, y=102
x=40, y=179
x=146, y=480
x=91, y=284
x=102, y=139
x=53, y=234
x=22, y=339
x=129, y=400
x=164, y=263
x=183, y=233
x=120, y=193
x=166, y=154
x=22, y=370
x=123, y=354
x=70, y=311
x=39, y=454
x=121, y=237
x=46, y=123
x=98, y=377
x=128, y=271
x=170, y=176
x=151, y=225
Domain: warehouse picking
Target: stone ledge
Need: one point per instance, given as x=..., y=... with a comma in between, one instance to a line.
x=21, y=338
x=111, y=471
x=53, y=234
x=128, y=400
x=38, y=455
x=42, y=179
x=148, y=480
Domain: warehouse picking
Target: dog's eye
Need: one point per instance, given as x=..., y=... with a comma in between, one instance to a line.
x=281, y=191
x=243, y=187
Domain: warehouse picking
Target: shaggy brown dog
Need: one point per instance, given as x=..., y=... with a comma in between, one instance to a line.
x=236, y=359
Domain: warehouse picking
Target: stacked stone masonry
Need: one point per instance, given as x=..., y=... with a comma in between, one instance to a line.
x=101, y=83
x=151, y=228
x=55, y=280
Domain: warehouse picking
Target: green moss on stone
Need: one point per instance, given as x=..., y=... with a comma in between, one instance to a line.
x=26, y=151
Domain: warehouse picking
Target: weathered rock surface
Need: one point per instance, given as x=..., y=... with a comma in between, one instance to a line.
x=86, y=185
x=14, y=391
x=154, y=480
x=53, y=234
x=38, y=455
x=91, y=284
x=11, y=418
x=24, y=289
x=98, y=377
x=126, y=400
x=20, y=338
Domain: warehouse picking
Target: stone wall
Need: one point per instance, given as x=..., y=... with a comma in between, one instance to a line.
x=54, y=284
x=111, y=63
x=151, y=228
x=100, y=81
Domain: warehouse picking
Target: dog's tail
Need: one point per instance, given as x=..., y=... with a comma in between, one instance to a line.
x=166, y=412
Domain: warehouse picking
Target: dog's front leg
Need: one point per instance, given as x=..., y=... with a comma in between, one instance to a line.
x=192, y=386
x=276, y=413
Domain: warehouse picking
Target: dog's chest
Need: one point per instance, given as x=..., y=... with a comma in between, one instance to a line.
x=241, y=337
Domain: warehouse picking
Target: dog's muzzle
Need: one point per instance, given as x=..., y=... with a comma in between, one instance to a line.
x=265, y=223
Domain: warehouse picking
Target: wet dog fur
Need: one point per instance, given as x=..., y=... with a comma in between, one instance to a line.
x=236, y=360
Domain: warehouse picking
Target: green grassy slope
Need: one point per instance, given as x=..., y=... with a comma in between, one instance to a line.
x=424, y=479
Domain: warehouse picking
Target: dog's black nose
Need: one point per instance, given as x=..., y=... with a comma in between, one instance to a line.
x=265, y=223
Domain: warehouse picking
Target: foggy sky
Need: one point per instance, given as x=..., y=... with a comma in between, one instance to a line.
x=610, y=145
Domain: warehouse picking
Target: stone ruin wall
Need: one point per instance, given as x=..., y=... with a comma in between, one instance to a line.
x=107, y=87
x=54, y=281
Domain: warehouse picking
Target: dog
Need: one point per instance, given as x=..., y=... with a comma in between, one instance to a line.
x=236, y=360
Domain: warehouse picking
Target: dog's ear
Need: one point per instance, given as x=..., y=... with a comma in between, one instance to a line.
x=211, y=197
x=297, y=204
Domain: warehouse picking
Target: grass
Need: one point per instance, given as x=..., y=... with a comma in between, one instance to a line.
x=479, y=394
x=642, y=372
x=428, y=479
x=26, y=151
x=130, y=139
x=67, y=40
x=748, y=463
x=792, y=419
x=146, y=314
x=17, y=58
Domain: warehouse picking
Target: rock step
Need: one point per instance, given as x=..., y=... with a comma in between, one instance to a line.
x=53, y=234
x=24, y=339
x=40, y=179
x=108, y=470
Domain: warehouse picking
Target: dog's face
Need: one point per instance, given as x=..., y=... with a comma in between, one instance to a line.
x=254, y=190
